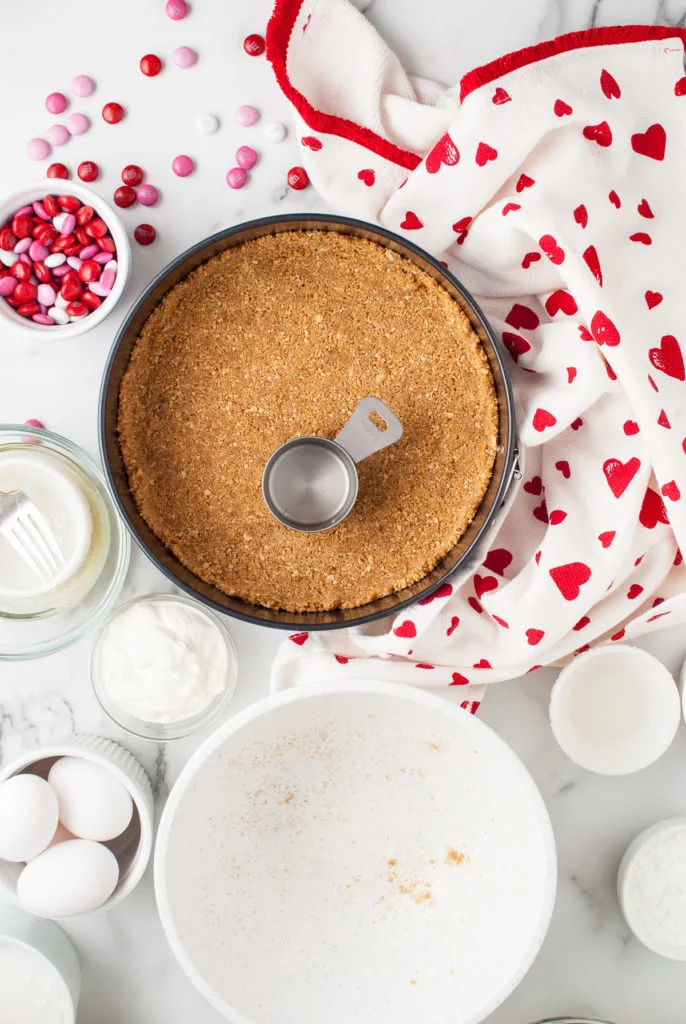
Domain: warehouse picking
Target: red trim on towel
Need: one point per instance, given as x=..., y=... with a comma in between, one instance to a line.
x=572, y=41
x=278, y=37
x=285, y=14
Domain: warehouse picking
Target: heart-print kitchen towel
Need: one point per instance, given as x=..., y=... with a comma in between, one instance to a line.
x=552, y=182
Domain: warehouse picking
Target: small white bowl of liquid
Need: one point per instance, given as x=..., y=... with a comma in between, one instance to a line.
x=615, y=710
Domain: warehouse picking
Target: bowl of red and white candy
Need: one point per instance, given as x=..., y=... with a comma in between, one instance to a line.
x=64, y=259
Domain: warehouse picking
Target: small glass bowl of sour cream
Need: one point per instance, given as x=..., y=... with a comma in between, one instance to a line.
x=39, y=618
x=163, y=666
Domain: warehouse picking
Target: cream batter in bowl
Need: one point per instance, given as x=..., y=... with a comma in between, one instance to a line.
x=37, y=618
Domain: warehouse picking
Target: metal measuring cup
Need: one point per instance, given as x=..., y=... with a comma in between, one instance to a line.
x=310, y=483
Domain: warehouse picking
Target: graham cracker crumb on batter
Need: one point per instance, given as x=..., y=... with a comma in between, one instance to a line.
x=279, y=337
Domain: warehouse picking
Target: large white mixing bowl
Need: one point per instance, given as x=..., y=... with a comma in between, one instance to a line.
x=359, y=852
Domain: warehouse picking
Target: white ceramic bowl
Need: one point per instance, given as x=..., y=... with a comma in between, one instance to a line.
x=355, y=852
x=133, y=848
x=48, y=943
x=640, y=920
x=614, y=710
x=60, y=186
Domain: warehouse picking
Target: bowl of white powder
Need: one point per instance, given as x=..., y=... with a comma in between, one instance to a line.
x=163, y=666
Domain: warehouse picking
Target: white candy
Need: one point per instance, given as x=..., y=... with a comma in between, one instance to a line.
x=8, y=257
x=206, y=124
x=74, y=262
x=62, y=303
x=60, y=316
x=112, y=265
x=55, y=259
x=275, y=131
x=58, y=221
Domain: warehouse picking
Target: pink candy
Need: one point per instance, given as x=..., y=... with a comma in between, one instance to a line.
x=82, y=85
x=38, y=149
x=7, y=285
x=43, y=318
x=34, y=423
x=38, y=252
x=236, y=177
x=78, y=124
x=39, y=211
x=184, y=57
x=176, y=9
x=89, y=251
x=147, y=195
x=107, y=279
x=182, y=166
x=23, y=245
x=46, y=294
x=247, y=115
x=246, y=157
x=58, y=134
x=102, y=257
x=56, y=102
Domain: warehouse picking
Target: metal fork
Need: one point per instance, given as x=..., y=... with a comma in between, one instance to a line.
x=30, y=534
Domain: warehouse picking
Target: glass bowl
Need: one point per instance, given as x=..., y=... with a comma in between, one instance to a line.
x=181, y=727
x=27, y=632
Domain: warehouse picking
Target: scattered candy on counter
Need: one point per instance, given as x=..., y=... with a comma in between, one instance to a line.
x=56, y=103
x=184, y=57
x=38, y=149
x=145, y=234
x=82, y=85
x=150, y=65
x=297, y=178
x=182, y=166
x=88, y=171
x=274, y=131
x=254, y=45
x=78, y=124
x=246, y=157
x=57, y=134
x=236, y=177
x=57, y=171
x=58, y=260
x=176, y=9
x=247, y=115
x=132, y=175
x=147, y=195
x=112, y=113
x=124, y=196
x=206, y=124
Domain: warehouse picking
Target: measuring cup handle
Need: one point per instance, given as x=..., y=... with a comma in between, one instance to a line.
x=361, y=437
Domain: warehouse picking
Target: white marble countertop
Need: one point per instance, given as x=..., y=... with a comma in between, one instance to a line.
x=590, y=965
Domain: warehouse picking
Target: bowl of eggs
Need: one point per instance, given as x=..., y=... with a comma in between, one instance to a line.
x=76, y=827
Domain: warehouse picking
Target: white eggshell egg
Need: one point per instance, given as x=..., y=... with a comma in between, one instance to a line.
x=74, y=877
x=93, y=803
x=28, y=817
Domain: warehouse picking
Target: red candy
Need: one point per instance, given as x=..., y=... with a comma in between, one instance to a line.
x=88, y=271
x=144, y=234
x=77, y=308
x=88, y=171
x=22, y=226
x=107, y=244
x=42, y=273
x=96, y=228
x=83, y=215
x=112, y=113
x=69, y=203
x=51, y=205
x=132, y=175
x=25, y=291
x=150, y=65
x=90, y=300
x=57, y=171
x=73, y=250
x=70, y=290
x=297, y=178
x=8, y=239
x=21, y=270
x=253, y=45
x=27, y=308
x=61, y=243
x=82, y=237
x=124, y=196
